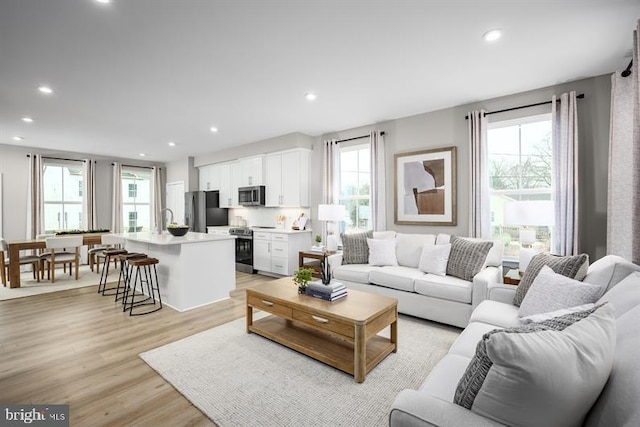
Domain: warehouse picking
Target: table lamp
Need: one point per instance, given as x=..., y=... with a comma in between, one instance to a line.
x=331, y=213
x=528, y=213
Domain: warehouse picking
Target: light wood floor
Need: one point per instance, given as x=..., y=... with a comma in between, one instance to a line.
x=76, y=347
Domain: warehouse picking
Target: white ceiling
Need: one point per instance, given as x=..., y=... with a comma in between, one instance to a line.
x=133, y=75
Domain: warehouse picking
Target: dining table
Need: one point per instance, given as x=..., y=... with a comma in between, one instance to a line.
x=15, y=246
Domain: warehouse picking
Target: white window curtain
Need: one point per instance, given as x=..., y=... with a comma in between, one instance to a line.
x=564, y=125
x=378, y=176
x=479, y=211
x=623, y=205
x=89, y=199
x=156, y=199
x=330, y=176
x=35, y=200
x=116, y=204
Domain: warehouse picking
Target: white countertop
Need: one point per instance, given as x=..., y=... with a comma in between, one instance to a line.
x=167, y=239
x=275, y=230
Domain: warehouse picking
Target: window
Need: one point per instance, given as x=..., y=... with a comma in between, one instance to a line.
x=136, y=201
x=520, y=159
x=355, y=187
x=62, y=200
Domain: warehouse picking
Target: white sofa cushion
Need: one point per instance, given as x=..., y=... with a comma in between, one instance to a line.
x=434, y=259
x=496, y=313
x=382, y=252
x=550, y=292
x=466, y=343
x=441, y=382
x=410, y=247
x=624, y=295
x=401, y=278
x=444, y=287
x=544, y=374
x=358, y=273
x=609, y=270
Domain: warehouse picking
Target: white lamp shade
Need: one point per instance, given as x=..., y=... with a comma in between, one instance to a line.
x=529, y=213
x=331, y=212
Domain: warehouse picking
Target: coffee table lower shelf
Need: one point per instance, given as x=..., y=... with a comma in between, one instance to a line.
x=321, y=346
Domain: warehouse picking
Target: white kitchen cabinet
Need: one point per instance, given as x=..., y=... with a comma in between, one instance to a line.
x=206, y=178
x=227, y=186
x=277, y=253
x=262, y=251
x=250, y=171
x=287, y=178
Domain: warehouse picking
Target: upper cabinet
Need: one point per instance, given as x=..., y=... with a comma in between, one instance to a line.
x=287, y=178
x=250, y=171
x=207, y=178
x=228, y=189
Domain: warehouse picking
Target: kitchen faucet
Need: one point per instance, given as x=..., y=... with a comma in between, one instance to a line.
x=163, y=218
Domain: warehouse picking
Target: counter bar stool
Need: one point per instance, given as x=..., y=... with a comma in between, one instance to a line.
x=115, y=243
x=126, y=269
x=145, y=276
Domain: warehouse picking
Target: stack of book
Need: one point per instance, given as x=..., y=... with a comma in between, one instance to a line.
x=331, y=292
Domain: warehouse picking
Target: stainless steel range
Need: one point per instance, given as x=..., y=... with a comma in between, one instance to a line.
x=244, y=249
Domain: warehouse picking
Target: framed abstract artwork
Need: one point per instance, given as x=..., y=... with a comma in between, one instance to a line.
x=425, y=187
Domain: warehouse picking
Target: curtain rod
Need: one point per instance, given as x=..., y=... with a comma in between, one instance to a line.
x=134, y=166
x=355, y=137
x=627, y=71
x=60, y=158
x=580, y=96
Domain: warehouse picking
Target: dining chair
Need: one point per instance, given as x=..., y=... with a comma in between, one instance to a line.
x=59, y=253
x=23, y=260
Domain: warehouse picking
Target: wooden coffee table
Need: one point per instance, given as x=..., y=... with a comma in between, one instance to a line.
x=342, y=333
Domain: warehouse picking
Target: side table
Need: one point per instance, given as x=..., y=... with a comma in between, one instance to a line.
x=512, y=277
x=314, y=265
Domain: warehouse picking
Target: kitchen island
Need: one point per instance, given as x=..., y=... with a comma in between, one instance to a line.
x=194, y=270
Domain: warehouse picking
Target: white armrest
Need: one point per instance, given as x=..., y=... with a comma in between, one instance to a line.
x=412, y=408
x=481, y=282
x=501, y=292
x=334, y=261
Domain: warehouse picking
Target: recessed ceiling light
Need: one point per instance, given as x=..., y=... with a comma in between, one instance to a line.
x=104, y=1
x=27, y=119
x=18, y=138
x=213, y=129
x=492, y=35
x=45, y=89
x=310, y=96
x=172, y=144
x=142, y=155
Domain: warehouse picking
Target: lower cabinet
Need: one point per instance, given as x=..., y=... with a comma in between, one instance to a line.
x=277, y=253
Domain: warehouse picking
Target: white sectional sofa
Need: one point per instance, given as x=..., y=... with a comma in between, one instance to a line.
x=444, y=299
x=615, y=405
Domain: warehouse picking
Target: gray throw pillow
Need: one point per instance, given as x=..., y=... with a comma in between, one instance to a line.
x=543, y=374
x=467, y=257
x=573, y=267
x=355, y=249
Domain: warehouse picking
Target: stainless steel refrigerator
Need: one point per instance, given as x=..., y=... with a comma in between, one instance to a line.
x=202, y=209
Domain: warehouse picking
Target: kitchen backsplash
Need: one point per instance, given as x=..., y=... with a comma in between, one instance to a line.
x=268, y=217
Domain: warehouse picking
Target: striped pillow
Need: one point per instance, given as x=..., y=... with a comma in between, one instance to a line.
x=574, y=267
x=467, y=257
x=355, y=249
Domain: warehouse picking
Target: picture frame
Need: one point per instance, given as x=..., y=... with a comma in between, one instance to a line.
x=425, y=186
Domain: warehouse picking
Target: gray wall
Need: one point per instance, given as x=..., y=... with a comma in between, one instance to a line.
x=14, y=167
x=448, y=127
x=183, y=170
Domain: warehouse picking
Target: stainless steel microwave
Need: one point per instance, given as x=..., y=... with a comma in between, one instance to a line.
x=251, y=196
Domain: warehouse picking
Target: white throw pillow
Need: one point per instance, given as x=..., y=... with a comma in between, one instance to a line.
x=550, y=315
x=551, y=291
x=389, y=234
x=382, y=252
x=434, y=259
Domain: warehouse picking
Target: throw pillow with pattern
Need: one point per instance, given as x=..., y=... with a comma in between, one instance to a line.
x=355, y=249
x=574, y=267
x=467, y=257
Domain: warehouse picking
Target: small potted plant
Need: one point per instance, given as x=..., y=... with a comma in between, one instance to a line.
x=301, y=278
x=318, y=239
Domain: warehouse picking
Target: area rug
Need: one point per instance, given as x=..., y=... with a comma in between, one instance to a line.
x=240, y=379
x=29, y=286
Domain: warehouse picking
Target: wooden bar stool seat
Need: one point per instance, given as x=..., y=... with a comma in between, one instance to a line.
x=146, y=274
